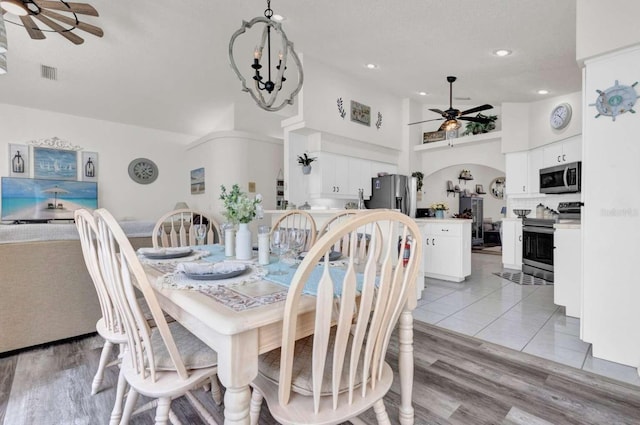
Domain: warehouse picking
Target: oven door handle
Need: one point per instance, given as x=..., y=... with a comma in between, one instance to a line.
x=536, y=229
x=564, y=177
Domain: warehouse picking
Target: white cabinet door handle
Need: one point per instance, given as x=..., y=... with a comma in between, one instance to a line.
x=520, y=238
x=433, y=242
x=564, y=158
x=559, y=158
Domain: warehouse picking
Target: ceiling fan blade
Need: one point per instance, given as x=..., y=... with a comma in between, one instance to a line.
x=420, y=122
x=82, y=8
x=476, y=119
x=437, y=111
x=60, y=29
x=32, y=28
x=91, y=29
x=476, y=109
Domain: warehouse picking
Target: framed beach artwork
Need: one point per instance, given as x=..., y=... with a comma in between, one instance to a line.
x=197, y=181
x=360, y=113
x=89, y=170
x=18, y=160
x=55, y=164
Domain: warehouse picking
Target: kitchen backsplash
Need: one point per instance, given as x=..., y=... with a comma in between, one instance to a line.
x=530, y=203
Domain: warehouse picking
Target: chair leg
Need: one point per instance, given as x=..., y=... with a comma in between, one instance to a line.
x=116, y=413
x=162, y=411
x=216, y=394
x=381, y=413
x=255, y=406
x=104, y=357
x=132, y=399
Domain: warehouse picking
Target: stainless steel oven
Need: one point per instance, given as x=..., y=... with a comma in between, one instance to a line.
x=537, y=247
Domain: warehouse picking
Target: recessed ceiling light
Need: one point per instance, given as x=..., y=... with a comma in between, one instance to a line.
x=543, y=91
x=502, y=52
x=277, y=18
x=422, y=93
x=372, y=66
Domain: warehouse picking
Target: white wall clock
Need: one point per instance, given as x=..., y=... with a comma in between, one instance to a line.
x=560, y=116
x=616, y=100
x=143, y=171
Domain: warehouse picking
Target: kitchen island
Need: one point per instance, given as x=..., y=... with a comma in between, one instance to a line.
x=446, y=248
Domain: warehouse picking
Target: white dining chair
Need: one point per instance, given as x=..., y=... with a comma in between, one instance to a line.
x=175, y=229
x=340, y=371
x=298, y=219
x=162, y=362
x=363, y=235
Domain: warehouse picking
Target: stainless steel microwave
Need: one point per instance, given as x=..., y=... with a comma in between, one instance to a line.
x=563, y=178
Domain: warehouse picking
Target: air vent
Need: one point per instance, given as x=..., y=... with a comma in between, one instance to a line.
x=49, y=72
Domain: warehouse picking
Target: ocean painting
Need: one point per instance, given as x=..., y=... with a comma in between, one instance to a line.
x=40, y=200
x=197, y=181
x=55, y=164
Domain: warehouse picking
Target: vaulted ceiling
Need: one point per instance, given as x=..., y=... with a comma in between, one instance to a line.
x=165, y=65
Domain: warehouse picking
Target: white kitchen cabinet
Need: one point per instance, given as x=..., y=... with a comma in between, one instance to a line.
x=567, y=268
x=517, y=173
x=563, y=152
x=512, y=243
x=339, y=176
x=535, y=164
x=446, y=248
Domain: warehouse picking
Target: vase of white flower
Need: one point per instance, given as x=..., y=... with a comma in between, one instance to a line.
x=239, y=209
x=440, y=208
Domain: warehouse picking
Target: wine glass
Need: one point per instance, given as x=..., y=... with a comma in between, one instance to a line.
x=279, y=246
x=297, y=240
x=201, y=232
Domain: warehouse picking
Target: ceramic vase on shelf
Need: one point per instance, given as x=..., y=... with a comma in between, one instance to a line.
x=439, y=213
x=243, y=242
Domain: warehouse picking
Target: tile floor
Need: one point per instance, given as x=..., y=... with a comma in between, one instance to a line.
x=522, y=317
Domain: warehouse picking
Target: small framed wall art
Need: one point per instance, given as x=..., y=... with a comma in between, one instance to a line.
x=197, y=181
x=55, y=164
x=433, y=136
x=89, y=171
x=18, y=160
x=360, y=113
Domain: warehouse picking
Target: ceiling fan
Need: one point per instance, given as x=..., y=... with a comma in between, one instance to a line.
x=59, y=16
x=451, y=115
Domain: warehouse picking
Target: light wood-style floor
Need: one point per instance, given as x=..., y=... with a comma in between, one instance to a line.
x=458, y=380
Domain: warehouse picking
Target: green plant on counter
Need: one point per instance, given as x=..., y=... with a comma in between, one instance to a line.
x=477, y=128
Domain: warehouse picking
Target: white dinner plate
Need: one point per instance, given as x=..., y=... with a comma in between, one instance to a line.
x=215, y=276
x=167, y=255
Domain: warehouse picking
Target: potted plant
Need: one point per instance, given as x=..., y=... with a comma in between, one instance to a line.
x=440, y=208
x=419, y=177
x=239, y=209
x=477, y=128
x=306, y=160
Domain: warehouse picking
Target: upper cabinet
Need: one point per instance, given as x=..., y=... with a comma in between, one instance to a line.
x=338, y=176
x=517, y=171
x=558, y=153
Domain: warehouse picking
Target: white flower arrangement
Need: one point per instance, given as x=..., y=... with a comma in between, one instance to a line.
x=442, y=206
x=238, y=207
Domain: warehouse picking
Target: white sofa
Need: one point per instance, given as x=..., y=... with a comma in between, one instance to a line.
x=46, y=293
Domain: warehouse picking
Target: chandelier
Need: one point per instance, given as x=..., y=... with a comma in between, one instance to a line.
x=268, y=79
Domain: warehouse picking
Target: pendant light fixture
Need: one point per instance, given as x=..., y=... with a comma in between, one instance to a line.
x=268, y=68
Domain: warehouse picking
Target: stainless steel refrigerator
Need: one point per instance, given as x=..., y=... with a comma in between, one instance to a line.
x=393, y=191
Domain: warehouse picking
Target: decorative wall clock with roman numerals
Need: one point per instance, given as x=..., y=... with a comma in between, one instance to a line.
x=616, y=100
x=143, y=171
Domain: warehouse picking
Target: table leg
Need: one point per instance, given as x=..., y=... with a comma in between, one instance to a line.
x=236, y=405
x=405, y=366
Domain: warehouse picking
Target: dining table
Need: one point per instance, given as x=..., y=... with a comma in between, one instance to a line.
x=241, y=318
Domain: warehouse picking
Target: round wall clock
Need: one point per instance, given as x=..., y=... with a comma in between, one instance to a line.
x=143, y=171
x=615, y=100
x=560, y=116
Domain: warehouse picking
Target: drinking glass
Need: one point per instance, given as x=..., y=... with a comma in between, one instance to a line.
x=279, y=246
x=297, y=239
x=201, y=232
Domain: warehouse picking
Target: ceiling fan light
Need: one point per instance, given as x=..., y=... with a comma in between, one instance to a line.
x=15, y=7
x=450, y=125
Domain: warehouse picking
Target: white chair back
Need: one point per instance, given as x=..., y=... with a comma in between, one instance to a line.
x=297, y=219
x=175, y=229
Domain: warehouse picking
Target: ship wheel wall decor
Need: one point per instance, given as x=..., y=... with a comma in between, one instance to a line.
x=57, y=16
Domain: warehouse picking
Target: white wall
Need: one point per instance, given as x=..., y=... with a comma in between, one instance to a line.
x=611, y=216
x=234, y=157
x=526, y=125
x=117, y=145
